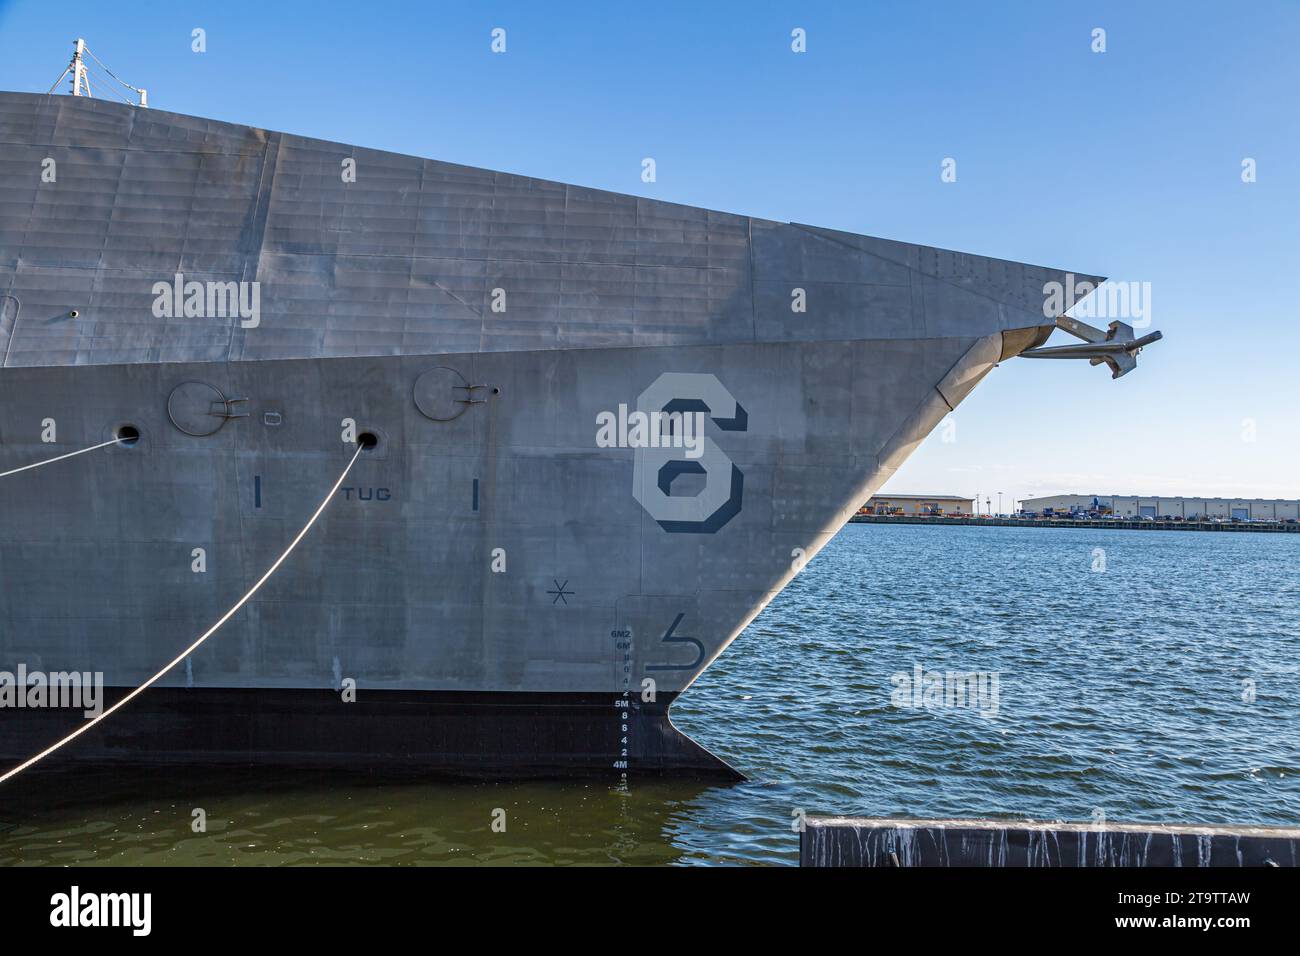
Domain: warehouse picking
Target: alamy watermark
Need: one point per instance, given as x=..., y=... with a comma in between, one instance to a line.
x=74, y=908
x=1114, y=299
x=923, y=689
x=639, y=429
x=37, y=689
x=208, y=300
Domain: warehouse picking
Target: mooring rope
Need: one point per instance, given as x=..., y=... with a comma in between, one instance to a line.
x=193, y=647
x=50, y=461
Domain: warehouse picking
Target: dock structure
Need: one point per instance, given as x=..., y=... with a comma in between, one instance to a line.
x=885, y=842
x=1137, y=524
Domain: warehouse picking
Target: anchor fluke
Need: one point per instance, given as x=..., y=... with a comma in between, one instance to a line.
x=1118, y=346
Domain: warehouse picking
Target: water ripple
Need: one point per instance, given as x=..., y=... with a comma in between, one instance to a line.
x=1162, y=690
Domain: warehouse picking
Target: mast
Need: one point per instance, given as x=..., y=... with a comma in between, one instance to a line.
x=78, y=68
x=80, y=75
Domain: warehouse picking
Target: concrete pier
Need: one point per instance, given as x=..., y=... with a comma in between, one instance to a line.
x=1126, y=524
x=868, y=841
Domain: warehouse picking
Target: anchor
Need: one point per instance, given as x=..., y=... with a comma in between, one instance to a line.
x=1118, y=347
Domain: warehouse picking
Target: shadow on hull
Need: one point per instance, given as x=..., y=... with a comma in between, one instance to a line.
x=397, y=733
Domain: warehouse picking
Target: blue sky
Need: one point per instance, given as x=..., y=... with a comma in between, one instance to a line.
x=1125, y=163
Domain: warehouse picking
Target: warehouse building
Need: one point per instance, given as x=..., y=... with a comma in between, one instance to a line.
x=1172, y=506
x=917, y=505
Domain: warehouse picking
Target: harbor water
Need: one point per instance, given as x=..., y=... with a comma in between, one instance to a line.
x=1150, y=677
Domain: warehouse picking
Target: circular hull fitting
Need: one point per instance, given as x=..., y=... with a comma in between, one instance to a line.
x=197, y=408
x=441, y=394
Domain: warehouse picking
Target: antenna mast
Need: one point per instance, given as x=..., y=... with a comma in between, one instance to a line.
x=80, y=76
x=78, y=68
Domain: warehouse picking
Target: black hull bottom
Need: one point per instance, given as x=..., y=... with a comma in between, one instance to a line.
x=427, y=733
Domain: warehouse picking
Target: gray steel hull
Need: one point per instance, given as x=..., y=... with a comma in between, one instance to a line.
x=395, y=588
x=491, y=545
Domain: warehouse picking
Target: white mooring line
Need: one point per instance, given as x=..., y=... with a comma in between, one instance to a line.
x=71, y=454
x=193, y=647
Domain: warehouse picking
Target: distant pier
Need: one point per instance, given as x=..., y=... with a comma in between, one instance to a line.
x=877, y=842
x=1133, y=524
